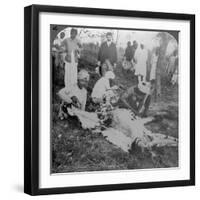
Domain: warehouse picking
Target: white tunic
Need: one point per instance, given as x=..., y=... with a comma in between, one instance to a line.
x=71, y=67
x=100, y=88
x=141, y=56
x=71, y=72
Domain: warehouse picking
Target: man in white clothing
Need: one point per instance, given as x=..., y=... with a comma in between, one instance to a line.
x=141, y=56
x=102, y=88
x=74, y=96
x=72, y=47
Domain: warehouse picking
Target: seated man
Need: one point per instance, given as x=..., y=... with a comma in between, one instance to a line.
x=75, y=96
x=102, y=89
x=137, y=98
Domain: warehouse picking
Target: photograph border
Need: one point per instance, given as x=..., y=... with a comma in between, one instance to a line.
x=51, y=79
x=31, y=98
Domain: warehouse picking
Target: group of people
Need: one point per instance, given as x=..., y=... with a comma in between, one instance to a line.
x=75, y=91
x=136, y=59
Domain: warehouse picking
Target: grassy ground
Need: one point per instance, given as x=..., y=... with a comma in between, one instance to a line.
x=75, y=149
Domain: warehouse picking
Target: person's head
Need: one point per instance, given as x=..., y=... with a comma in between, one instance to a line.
x=128, y=43
x=142, y=46
x=83, y=79
x=62, y=35
x=106, y=66
x=135, y=44
x=109, y=36
x=73, y=33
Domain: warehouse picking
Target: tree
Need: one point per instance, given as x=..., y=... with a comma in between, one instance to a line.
x=164, y=39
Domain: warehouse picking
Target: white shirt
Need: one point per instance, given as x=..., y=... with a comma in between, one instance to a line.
x=109, y=43
x=100, y=88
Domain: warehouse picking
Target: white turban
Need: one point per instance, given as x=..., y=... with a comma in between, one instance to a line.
x=83, y=75
x=110, y=75
x=144, y=87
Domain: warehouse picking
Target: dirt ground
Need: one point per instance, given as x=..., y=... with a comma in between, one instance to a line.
x=76, y=150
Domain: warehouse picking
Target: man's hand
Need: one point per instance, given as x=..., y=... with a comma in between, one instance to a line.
x=142, y=109
x=114, y=65
x=115, y=87
x=75, y=102
x=98, y=63
x=121, y=87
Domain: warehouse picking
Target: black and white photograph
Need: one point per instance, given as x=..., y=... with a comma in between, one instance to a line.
x=114, y=99
x=109, y=100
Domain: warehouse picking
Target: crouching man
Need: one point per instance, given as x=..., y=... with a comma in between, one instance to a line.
x=102, y=90
x=74, y=96
x=137, y=98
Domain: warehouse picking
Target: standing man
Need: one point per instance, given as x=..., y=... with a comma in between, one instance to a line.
x=127, y=63
x=134, y=48
x=72, y=48
x=102, y=89
x=129, y=52
x=57, y=49
x=107, y=51
x=141, y=56
x=154, y=60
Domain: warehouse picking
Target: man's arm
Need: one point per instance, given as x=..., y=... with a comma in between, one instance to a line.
x=79, y=43
x=63, y=46
x=115, y=55
x=136, y=56
x=124, y=98
x=142, y=106
x=125, y=54
x=84, y=102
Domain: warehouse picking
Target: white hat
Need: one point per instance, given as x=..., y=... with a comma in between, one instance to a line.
x=144, y=87
x=110, y=75
x=83, y=74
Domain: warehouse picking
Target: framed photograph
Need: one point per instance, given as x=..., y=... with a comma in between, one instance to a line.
x=109, y=99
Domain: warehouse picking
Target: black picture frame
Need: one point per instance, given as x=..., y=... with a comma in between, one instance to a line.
x=31, y=98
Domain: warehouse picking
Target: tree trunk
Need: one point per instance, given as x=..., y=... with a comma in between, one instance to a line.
x=160, y=69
